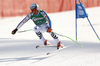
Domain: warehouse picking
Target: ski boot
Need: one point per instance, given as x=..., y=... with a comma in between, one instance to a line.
x=46, y=43
x=59, y=45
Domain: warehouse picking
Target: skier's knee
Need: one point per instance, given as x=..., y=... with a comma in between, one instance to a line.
x=54, y=35
x=36, y=29
x=39, y=34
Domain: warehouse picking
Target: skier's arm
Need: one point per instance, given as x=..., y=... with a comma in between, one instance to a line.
x=21, y=23
x=47, y=18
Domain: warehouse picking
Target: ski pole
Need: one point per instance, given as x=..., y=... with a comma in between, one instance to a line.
x=24, y=31
x=69, y=38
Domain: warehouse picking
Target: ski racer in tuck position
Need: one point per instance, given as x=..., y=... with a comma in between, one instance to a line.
x=42, y=22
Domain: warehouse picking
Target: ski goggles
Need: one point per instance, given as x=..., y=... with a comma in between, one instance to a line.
x=33, y=10
x=33, y=7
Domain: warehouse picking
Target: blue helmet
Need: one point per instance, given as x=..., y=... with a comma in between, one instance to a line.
x=34, y=6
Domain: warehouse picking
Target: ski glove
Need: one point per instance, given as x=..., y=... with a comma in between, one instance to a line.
x=14, y=31
x=49, y=30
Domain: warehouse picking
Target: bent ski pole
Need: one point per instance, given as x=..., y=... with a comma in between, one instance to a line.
x=24, y=31
x=68, y=38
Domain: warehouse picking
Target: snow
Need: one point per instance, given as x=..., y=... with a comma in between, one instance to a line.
x=19, y=49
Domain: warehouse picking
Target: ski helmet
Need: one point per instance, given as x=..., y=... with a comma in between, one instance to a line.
x=34, y=6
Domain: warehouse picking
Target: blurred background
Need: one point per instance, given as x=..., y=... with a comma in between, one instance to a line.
x=10, y=8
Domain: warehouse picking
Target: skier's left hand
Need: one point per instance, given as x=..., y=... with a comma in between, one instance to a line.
x=49, y=30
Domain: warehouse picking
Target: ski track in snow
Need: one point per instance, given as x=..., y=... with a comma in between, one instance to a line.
x=19, y=49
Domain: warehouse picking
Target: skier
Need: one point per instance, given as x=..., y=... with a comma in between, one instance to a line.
x=42, y=22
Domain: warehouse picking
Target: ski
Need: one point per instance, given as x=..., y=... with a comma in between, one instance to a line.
x=45, y=46
x=48, y=53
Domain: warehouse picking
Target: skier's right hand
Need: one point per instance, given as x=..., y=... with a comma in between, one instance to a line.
x=14, y=31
